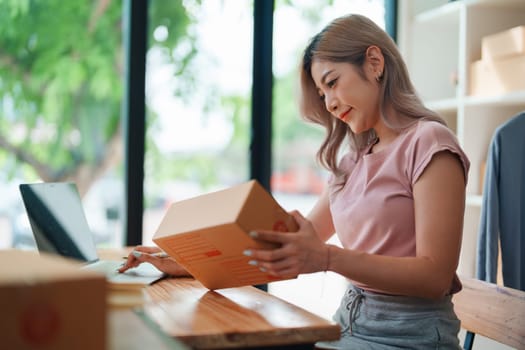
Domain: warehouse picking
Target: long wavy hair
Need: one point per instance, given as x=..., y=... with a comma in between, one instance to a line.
x=346, y=39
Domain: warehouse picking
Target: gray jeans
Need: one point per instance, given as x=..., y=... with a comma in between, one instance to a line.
x=376, y=321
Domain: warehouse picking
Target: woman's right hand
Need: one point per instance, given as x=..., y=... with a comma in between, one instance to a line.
x=142, y=254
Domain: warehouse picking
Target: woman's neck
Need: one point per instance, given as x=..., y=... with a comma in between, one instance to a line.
x=385, y=136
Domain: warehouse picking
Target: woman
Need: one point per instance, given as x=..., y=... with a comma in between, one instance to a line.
x=395, y=198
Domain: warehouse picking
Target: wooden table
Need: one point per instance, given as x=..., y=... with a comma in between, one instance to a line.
x=232, y=318
x=185, y=310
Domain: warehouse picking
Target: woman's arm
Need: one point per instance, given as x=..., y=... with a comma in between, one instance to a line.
x=439, y=199
x=439, y=203
x=321, y=218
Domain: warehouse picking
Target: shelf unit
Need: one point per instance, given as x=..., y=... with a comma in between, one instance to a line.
x=439, y=40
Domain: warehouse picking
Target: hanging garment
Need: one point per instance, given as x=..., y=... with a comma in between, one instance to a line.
x=503, y=206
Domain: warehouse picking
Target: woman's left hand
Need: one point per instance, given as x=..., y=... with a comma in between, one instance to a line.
x=299, y=252
x=142, y=254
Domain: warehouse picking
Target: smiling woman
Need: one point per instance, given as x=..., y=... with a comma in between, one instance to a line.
x=398, y=218
x=199, y=140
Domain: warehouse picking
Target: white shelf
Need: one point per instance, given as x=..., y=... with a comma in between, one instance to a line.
x=439, y=13
x=475, y=200
x=511, y=99
x=517, y=4
x=452, y=8
x=441, y=39
x=443, y=106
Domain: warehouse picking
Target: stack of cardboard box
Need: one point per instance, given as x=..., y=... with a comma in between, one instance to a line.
x=502, y=65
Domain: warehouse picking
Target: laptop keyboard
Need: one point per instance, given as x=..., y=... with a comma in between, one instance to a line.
x=105, y=267
x=141, y=275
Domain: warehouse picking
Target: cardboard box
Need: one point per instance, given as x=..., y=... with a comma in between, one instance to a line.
x=506, y=43
x=208, y=234
x=49, y=303
x=497, y=76
x=482, y=170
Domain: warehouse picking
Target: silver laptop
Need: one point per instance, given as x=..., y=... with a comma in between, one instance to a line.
x=59, y=225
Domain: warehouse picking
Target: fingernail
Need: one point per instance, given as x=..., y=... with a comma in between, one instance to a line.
x=137, y=254
x=253, y=262
x=253, y=234
x=247, y=252
x=262, y=269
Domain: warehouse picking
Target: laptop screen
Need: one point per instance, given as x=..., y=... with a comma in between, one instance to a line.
x=58, y=220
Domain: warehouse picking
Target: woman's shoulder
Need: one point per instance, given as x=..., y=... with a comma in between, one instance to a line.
x=433, y=129
x=431, y=137
x=429, y=133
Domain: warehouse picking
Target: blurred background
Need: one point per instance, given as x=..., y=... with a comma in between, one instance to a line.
x=62, y=76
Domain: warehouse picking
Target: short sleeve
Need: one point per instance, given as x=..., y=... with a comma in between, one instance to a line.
x=433, y=138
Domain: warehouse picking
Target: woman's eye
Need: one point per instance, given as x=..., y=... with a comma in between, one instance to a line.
x=331, y=83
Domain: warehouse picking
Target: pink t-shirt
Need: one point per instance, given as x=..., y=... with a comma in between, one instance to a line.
x=374, y=211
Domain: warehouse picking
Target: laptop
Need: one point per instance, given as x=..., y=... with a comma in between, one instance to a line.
x=59, y=226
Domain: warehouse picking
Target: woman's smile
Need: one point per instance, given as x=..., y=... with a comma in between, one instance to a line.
x=344, y=115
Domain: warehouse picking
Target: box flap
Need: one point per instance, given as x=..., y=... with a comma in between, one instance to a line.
x=262, y=212
x=207, y=210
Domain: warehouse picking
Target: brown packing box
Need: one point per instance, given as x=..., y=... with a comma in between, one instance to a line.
x=49, y=303
x=506, y=43
x=208, y=234
x=494, y=77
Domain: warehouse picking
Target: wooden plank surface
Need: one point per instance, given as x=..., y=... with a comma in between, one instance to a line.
x=227, y=318
x=493, y=311
x=231, y=318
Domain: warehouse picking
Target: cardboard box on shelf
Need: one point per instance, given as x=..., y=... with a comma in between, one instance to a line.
x=506, y=43
x=49, y=303
x=494, y=77
x=207, y=234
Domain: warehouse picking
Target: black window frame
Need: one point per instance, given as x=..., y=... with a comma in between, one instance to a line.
x=134, y=103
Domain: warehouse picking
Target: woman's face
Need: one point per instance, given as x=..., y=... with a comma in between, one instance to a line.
x=347, y=96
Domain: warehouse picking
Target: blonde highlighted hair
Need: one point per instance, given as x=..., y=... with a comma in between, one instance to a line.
x=346, y=39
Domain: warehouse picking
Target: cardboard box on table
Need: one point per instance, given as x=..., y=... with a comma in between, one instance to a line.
x=207, y=234
x=49, y=303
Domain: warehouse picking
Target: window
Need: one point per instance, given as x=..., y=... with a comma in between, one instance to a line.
x=60, y=94
x=61, y=74
x=198, y=101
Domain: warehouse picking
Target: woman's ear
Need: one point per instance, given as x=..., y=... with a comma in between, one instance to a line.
x=375, y=62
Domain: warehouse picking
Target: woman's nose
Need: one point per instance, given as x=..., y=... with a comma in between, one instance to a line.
x=331, y=103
